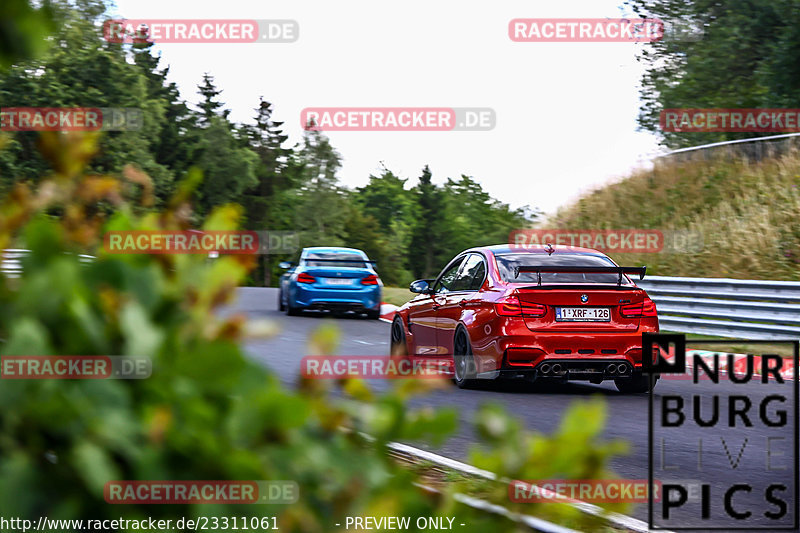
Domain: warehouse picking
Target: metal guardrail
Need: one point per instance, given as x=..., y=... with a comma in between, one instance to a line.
x=11, y=265
x=11, y=261
x=747, y=309
x=754, y=149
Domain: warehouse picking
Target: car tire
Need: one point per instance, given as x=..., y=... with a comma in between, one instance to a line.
x=464, y=370
x=292, y=310
x=398, y=345
x=281, y=305
x=636, y=384
x=374, y=315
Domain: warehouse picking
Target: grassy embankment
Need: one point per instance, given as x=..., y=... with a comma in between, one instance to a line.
x=747, y=214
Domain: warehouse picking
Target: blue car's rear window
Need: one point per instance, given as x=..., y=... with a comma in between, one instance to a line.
x=332, y=259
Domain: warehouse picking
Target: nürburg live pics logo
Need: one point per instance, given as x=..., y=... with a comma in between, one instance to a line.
x=722, y=446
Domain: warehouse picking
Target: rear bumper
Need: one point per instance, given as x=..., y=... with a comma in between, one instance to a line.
x=515, y=349
x=533, y=350
x=564, y=375
x=361, y=299
x=583, y=369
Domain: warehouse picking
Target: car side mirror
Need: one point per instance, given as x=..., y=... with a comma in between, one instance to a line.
x=285, y=265
x=420, y=286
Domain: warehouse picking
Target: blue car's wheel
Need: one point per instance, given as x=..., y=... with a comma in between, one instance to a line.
x=281, y=305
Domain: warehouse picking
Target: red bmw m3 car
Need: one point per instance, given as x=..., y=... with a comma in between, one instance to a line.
x=532, y=312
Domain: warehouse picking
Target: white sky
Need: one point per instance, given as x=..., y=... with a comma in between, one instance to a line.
x=566, y=112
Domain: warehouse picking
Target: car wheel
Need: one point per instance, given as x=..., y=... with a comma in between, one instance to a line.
x=281, y=306
x=292, y=310
x=397, y=343
x=374, y=315
x=635, y=384
x=463, y=361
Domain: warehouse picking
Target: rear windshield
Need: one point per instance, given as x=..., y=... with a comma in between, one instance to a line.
x=507, y=262
x=335, y=259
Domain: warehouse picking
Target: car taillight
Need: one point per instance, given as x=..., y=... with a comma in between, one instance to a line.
x=372, y=279
x=305, y=278
x=510, y=306
x=535, y=310
x=646, y=308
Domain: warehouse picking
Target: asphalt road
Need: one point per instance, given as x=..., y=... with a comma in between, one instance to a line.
x=726, y=458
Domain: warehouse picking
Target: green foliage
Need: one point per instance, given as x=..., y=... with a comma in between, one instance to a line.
x=429, y=237
x=209, y=106
x=746, y=58
x=83, y=71
x=23, y=29
x=229, y=169
x=574, y=451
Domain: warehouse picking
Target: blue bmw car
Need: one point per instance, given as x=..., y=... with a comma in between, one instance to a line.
x=333, y=279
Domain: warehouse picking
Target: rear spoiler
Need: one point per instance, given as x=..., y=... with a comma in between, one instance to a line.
x=581, y=270
x=338, y=260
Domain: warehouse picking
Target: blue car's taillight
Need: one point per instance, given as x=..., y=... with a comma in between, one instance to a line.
x=371, y=279
x=305, y=278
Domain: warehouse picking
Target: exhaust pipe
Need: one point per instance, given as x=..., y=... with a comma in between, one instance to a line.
x=545, y=368
x=556, y=368
x=622, y=369
x=611, y=369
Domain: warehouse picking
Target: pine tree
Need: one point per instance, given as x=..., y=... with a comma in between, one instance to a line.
x=209, y=105
x=264, y=203
x=428, y=232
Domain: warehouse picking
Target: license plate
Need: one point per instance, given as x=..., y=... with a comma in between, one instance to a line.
x=337, y=281
x=583, y=314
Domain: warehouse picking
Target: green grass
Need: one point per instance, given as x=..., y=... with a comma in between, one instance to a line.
x=745, y=212
x=397, y=295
